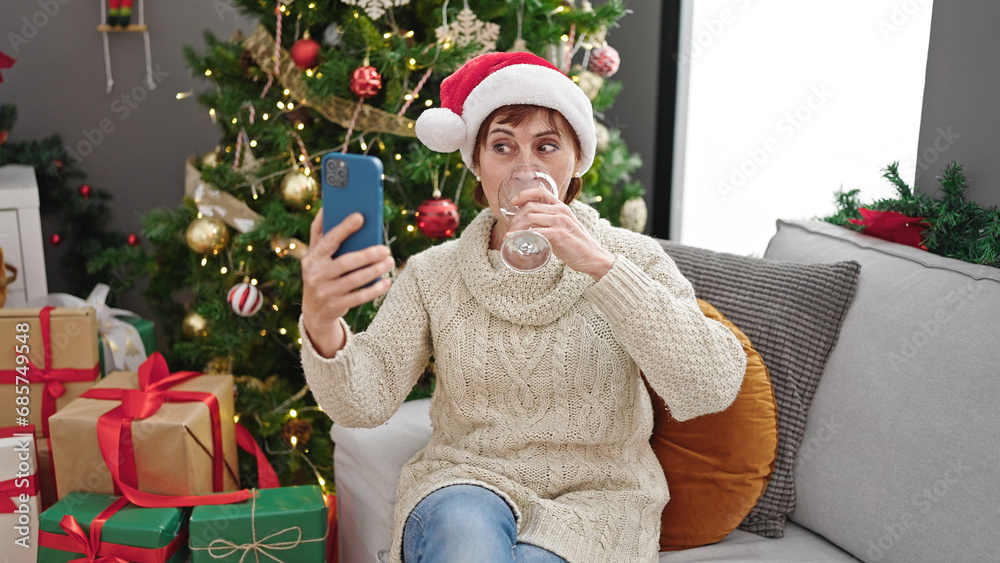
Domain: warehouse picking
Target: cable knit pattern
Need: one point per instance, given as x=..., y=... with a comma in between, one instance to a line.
x=538, y=392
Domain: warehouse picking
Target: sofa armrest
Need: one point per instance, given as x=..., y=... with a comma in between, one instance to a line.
x=366, y=465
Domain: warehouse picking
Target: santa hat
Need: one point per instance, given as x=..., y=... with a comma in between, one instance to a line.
x=494, y=80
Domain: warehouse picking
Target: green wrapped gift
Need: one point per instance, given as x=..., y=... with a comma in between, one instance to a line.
x=288, y=524
x=115, y=340
x=134, y=534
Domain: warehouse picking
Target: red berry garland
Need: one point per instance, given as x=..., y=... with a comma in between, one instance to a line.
x=438, y=217
x=365, y=81
x=85, y=191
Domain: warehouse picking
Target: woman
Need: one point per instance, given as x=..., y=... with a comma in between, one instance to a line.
x=541, y=420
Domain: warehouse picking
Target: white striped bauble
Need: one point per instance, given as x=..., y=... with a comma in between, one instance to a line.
x=245, y=299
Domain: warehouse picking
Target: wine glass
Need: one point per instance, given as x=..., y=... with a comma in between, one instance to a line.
x=524, y=251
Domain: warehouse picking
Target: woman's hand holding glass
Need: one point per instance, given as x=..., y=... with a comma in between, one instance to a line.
x=540, y=213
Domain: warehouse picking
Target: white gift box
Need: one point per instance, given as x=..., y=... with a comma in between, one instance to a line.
x=19, y=504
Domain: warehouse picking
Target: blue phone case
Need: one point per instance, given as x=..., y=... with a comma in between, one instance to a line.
x=353, y=182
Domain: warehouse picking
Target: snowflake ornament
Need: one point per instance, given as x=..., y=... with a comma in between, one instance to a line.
x=467, y=28
x=375, y=9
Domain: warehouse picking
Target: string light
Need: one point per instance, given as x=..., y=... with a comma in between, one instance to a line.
x=236, y=418
x=283, y=331
x=253, y=143
x=294, y=441
x=399, y=156
x=253, y=281
x=409, y=228
x=286, y=91
x=275, y=307
x=429, y=102
x=235, y=121
x=223, y=270
x=249, y=248
x=263, y=333
x=322, y=482
x=265, y=116
x=293, y=413
x=281, y=105
x=208, y=72
x=300, y=126
x=386, y=35
x=204, y=260
x=364, y=146
x=309, y=72
x=211, y=111
x=291, y=106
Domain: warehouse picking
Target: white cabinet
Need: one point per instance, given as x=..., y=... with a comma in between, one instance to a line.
x=21, y=233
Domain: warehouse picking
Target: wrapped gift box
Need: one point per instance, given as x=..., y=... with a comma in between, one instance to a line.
x=173, y=448
x=287, y=524
x=72, y=336
x=135, y=534
x=126, y=338
x=19, y=505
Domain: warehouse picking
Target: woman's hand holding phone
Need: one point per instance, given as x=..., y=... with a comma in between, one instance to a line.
x=332, y=286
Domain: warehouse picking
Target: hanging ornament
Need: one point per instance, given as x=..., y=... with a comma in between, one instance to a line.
x=333, y=34
x=133, y=239
x=604, y=61
x=297, y=432
x=85, y=191
x=209, y=160
x=3, y=137
x=603, y=138
x=245, y=299
x=194, y=325
x=375, y=9
x=305, y=52
x=468, y=28
x=365, y=81
x=590, y=83
x=59, y=165
x=299, y=189
x=438, y=217
x=207, y=235
x=55, y=239
x=219, y=365
x=633, y=215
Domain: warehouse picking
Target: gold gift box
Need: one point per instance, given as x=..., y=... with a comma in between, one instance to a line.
x=74, y=342
x=173, y=447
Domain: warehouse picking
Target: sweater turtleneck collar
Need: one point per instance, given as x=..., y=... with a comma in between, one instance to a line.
x=537, y=298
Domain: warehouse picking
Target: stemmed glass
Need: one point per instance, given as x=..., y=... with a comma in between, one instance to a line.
x=524, y=251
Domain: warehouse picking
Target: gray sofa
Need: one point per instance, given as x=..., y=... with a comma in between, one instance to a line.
x=898, y=458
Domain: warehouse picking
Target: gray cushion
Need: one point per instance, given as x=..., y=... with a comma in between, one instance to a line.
x=792, y=314
x=899, y=460
x=797, y=545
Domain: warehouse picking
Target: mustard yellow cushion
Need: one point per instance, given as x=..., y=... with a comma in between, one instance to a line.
x=717, y=465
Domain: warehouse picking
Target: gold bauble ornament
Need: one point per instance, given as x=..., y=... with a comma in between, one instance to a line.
x=209, y=160
x=194, y=325
x=603, y=138
x=207, y=235
x=219, y=365
x=299, y=189
x=590, y=82
x=634, y=214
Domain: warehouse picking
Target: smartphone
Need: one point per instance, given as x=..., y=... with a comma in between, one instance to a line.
x=353, y=182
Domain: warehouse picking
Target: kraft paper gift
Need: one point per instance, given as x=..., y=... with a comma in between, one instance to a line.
x=89, y=527
x=56, y=378
x=19, y=506
x=172, y=450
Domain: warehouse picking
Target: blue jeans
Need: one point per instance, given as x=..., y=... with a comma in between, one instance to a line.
x=463, y=523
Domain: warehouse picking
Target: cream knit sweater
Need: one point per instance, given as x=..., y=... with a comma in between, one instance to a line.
x=538, y=392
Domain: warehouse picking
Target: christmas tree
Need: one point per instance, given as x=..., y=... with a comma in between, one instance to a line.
x=319, y=77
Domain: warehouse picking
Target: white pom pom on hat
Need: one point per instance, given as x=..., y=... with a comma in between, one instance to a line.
x=494, y=80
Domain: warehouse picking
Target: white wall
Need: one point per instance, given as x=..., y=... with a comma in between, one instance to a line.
x=788, y=101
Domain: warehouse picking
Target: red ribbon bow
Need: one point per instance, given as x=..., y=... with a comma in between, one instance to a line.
x=52, y=378
x=12, y=488
x=77, y=540
x=892, y=226
x=114, y=433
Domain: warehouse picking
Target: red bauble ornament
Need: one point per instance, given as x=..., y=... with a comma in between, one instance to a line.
x=133, y=239
x=438, y=217
x=59, y=165
x=55, y=239
x=3, y=137
x=604, y=61
x=305, y=53
x=85, y=191
x=245, y=299
x=365, y=81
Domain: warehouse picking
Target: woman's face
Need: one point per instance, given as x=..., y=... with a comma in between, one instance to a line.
x=536, y=141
